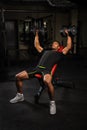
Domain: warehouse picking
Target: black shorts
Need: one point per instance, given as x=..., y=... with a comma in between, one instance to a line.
x=38, y=70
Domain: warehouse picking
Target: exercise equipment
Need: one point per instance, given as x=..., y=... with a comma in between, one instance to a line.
x=42, y=86
x=56, y=82
x=71, y=29
x=41, y=30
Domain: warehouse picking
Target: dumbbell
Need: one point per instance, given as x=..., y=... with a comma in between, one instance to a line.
x=72, y=30
x=41, y=30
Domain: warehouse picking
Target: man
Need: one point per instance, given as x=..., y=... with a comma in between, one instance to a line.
x=48, y=60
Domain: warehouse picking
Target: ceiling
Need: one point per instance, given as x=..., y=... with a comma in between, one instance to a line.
x=53, y=3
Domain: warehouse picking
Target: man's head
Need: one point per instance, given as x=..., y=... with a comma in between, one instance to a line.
x=55, y=45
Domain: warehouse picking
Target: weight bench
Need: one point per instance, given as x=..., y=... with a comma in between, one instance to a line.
x=56, y=82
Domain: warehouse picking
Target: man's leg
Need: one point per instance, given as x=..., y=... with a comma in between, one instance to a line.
x=48, y=82
x=19, y=83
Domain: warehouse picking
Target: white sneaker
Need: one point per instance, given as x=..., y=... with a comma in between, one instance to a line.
x=18, y=98
x=52, y=107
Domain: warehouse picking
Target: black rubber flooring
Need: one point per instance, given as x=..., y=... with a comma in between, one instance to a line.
x=71, y=101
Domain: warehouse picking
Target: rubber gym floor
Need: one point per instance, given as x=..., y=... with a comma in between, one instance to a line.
x=70, y=96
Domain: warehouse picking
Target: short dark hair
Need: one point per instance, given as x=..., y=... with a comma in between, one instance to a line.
x=56, y=41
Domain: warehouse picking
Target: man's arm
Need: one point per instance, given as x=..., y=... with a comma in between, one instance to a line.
x=37, y=43
x=69, y=44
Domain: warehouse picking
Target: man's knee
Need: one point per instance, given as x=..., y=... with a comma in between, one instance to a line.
x=22, y=75
x=47, y=79
x=17, y=77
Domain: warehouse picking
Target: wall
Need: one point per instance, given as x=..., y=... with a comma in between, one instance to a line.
x=59, y=18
